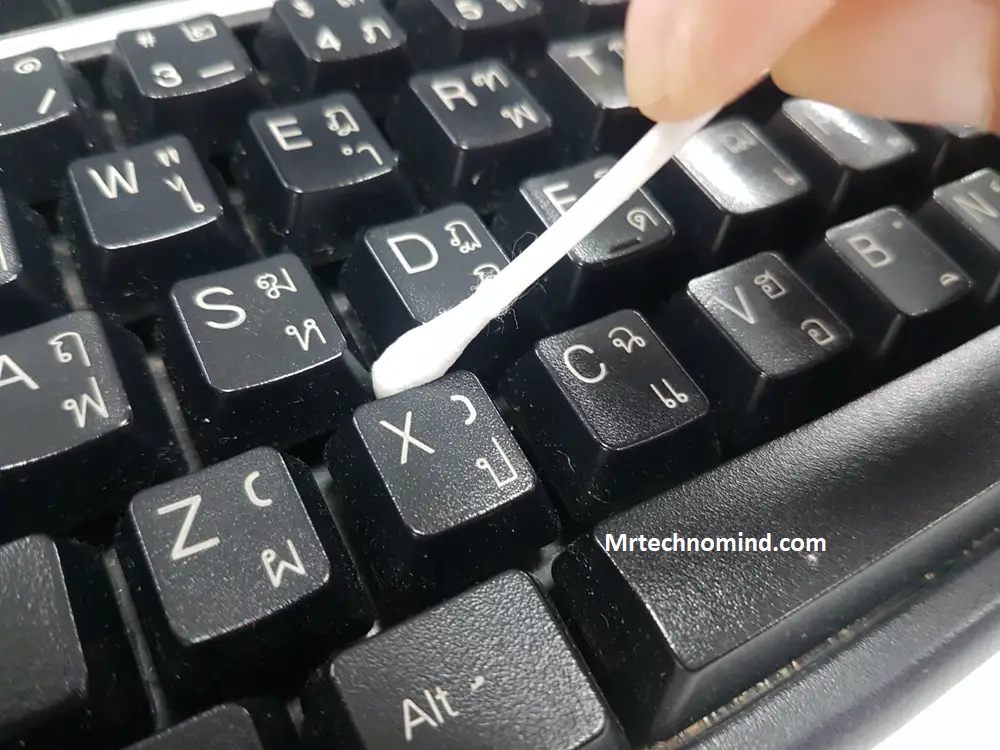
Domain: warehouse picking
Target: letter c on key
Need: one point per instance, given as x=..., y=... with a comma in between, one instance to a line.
x=602, y=371
x=260, y=502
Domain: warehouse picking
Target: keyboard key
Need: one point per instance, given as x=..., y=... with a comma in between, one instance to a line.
x=964, y=216
x=470, y=133
x=609, y=414
x=92, y=428
x=900, y=293
x=316, y=173
x=191, y=79
x=405, y=274
x=737, y=192
x=16, y=16
x=141, y=219
x=240, y=558
x=895, y=484
x=954, y=151
x=492, y=668
x=31, y=289
x=254, y=725
x=581, y=82
x=450, y=31
x=311, y=47
x=623, y=262
x=574, y=16
x=437, y=492
x=768, y=351
x=852, y=161
x=258, y=339
x=68, y=673
x=48, y=118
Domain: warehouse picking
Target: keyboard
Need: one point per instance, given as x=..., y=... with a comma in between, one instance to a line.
x=693, y=489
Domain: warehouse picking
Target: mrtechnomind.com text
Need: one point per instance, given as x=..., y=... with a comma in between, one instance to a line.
x=738, y=543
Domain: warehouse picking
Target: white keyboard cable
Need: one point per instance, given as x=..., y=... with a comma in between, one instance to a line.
x=427, y=352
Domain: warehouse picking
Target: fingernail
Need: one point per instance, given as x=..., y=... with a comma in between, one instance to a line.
x=657, y=49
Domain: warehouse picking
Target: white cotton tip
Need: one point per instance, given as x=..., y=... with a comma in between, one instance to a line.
x=429, y=351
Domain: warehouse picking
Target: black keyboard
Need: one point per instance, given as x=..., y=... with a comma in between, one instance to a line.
x=212, y=535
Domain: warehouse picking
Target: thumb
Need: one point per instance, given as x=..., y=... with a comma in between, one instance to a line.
x=684, y=57
x=933, y=61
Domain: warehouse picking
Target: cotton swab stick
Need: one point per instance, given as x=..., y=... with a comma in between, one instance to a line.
x=427, y=352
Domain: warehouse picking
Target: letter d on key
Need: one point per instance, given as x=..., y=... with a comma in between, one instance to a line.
x=432, y=254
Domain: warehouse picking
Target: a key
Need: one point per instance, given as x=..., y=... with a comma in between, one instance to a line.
x=68, y=673
x=48, y=118
x=254, y=725
x=679, y=630
x=91, y=429
x=253, y=341
x=492, y=668
x=30, y=286
x=140, y=219
x=900, y=293
x=312, y=47
x=316, y=173
x=620, y=264
x=769, y=352
x=192, y=79
x=437, y=492
x=954, y=151
x=451, y=31
x=575, y=16
x=737, y=193
x=964, y=216
x=471, y=133
x=405, y=274
x=242, y=557
x=581, y=82
x=609, y=414
x=852, y=161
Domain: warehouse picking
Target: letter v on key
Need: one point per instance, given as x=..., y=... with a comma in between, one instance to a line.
x=404, y=453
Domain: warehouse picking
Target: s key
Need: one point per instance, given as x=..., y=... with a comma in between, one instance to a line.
x=239, y=558
x=91, y=429
x=257, y=340
x=437, y=492
x=491, y=669
x=608, y=413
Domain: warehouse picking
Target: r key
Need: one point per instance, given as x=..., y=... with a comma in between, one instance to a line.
x=258, y=339
x=622, y=418
x=239, y=558
x=437, y=492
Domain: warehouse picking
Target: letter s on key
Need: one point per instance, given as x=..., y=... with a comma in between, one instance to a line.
x=240, y=315
x=602, y=371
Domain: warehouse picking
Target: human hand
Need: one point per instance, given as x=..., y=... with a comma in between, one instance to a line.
x=933, y=61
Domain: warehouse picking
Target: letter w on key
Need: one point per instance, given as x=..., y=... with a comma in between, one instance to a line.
x=407, y=438
x=108, y=184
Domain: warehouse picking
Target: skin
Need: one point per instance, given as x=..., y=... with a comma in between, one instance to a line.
x=926, y=61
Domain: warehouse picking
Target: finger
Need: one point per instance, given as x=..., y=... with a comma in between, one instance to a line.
x=914, y=60
x=684, y=57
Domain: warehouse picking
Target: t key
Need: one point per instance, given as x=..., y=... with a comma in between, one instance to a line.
x=48, y=118
x=471, y=133
x=239, y=558
x=143, y=218
x=91, y=428
x=30, y=286
x=492, y=668
x=734, y=189
x=258, y=339
x=311, y=47
x=192, y=79
x=316, y=173
x=609, y=414
x=581, y=82
x=767, y=350
x=68, y=674
x=405, y=274
x=437, y=492
x=619, y=263
x=903, y=295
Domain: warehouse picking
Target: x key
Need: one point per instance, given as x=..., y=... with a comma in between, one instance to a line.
x=407, y=438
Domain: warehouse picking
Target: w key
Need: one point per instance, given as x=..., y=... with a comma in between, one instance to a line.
x=90, y=429
x=437, y=492
x=141, y=219
x=254, y=340
x=242, y=557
